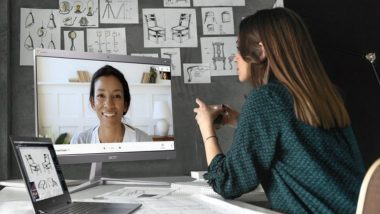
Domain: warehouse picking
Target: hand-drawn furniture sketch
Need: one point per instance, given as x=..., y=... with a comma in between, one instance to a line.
x=33, y=166
x=189, y=70
x=231, y=59
x=170, y=54
x=226, y=16
x=183, y=27
x=42, y=184
x=46, y=164
x=153, y=29
x=209, y=17
x=108, y=9
x=51, y=182
x=218, y=50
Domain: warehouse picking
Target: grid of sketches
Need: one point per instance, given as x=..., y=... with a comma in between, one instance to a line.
x=154, y=55
x=106, y=40
x=174, y=54
x=217, y=20
x=41, y=172
x=205, y=3
x=220, y=53
x=78, y=13
x=196, y=73
x=119, y=11
x=176, y=3
x=170, y=28
x=38, y=29
x=74, y=40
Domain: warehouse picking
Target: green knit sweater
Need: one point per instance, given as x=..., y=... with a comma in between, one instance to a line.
x=302, y=169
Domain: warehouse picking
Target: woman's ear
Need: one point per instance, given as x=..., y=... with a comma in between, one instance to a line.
x=126, y=109
x=262, y=51
x=92, y=103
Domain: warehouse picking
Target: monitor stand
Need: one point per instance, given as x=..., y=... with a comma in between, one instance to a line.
x=96, y=179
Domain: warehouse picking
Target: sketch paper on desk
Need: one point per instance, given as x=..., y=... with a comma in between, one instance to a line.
x=119, y=12
x=278, y=3
x=176, y=3
x=203, y=3
x=107, y=40
x=170, y=28
x=218, y=20
x=220, y=53
x=196, y=73
x=174, y=55
x=38, y=29
x=74, y=40
x=154, y=55
x=136, y=192
x=78, y=13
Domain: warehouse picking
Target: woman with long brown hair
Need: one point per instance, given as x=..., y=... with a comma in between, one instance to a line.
x=293, y=134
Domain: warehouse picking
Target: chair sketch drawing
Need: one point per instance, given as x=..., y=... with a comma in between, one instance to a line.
x=46, y=164
x=183, y=27
x=153, y=29
x=218, y=50
x=369, y=196
x=33, y=166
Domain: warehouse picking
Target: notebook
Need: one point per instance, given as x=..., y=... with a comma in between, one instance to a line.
x=46, y=185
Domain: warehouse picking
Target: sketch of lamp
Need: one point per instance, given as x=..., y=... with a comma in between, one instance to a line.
x=33, y=166
x=209, y=17
x=51, y=182
x=29, y=20
x=90, y=8
x=78, y=7
x=28, y=43
x=42, y=184
x=161, y=113
x=153, y=29
x=64, y=7
x=108, y=9
x=170, y=54
x=115, y=43
x=189, y=70
x=72, y=35
x=183, y=27
x=107, y=34
x=218, y=54
x=46, y=164
x=51, y=44
x=51, y=24
x=210, y=28
x=226, y=16
x=69, y=21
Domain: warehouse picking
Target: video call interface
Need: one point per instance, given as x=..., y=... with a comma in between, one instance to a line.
x=63, y=108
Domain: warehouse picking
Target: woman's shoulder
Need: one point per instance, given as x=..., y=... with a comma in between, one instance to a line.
x=83, y=137
x=273, y=92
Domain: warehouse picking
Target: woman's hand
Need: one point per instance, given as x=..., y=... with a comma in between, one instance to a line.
x=206, y=114
x=230, y=116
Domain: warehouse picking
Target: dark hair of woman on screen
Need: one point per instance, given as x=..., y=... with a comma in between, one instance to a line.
x=110, y=100
x=293, y=134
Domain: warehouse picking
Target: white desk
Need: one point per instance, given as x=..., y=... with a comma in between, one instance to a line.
x=16, y=200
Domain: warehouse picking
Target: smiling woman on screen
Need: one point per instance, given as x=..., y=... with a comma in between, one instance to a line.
x=110, y=99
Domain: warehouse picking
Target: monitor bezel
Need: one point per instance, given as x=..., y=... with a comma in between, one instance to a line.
x=101, y=157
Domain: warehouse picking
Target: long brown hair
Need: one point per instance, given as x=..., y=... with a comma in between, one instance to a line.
x=292, y=59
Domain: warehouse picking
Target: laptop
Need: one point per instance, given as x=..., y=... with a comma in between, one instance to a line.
x=46, y=185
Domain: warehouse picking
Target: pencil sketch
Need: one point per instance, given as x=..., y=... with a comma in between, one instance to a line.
x=217, y=21
x=119, y=11
x=74, y=40
x=153, y=55
x=38, y=29
x=205, y=3
x=196, y=73
x=106, y=40
x=220, y=53
x=174, y=54
x=78, y=13
x=170, y=28
x=176, y=3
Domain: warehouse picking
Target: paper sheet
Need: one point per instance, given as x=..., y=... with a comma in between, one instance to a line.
x=106, y=40
x=170, y=28
x=176, y=3
x=78, y=13
x=278, y=3
x=220, y=53
x=119, y=12
x=196, y=73
x=218, y=20
x=38, y=29
x=175, y=55
x=74, y=40
x=202, y=3
x=155, y=55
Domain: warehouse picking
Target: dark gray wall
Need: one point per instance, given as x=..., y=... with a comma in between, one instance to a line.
x=190, y=154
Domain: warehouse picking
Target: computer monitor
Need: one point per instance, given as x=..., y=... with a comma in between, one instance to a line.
x=62, y=106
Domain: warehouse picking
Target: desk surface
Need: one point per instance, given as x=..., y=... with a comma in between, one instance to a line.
x=17, y=200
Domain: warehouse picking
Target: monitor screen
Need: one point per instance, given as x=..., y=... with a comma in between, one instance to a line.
x=64, y=113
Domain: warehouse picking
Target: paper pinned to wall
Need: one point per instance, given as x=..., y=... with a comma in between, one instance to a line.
x=174, y=55
x=176, y=3
x=170, y=28
x=278, y=3
x=106, y=40
x=74, y=40
x=78, y=13
x=119, y=12
x=220, y=53
x=38, y=29
x=218, y=20
x=203, y=3
x=196, y=73
x=154, y=55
